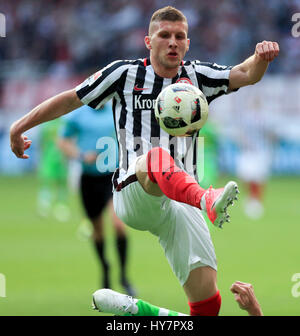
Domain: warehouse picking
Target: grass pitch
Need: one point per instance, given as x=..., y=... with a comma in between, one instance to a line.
x=48, y=270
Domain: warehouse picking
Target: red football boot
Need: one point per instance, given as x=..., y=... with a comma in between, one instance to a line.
x=216, y=201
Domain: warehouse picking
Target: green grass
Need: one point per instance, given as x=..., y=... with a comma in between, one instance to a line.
x=49, y=271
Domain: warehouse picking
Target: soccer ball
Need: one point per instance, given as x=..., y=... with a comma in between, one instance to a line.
x=181, y=109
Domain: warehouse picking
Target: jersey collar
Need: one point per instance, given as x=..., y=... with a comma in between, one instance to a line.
x=147, y=62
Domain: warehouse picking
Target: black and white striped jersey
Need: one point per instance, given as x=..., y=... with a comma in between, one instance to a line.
x=134, y=86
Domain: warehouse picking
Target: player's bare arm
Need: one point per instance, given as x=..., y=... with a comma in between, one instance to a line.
x=253, y=68
x=50, y=109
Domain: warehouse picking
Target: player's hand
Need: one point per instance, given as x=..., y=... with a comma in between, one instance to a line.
x=267, y=50
x=245, y=297
x=19, y=144
x=90, y=157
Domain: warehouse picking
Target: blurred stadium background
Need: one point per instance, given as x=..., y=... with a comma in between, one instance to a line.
x=50, y=47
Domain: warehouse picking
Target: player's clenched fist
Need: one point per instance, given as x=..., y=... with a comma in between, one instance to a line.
x=245, y=297
x=18, y=144
x=267, y=50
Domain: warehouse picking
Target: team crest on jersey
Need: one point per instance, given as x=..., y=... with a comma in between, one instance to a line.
x=184, y=80
x=97, y=74
x=91, y=80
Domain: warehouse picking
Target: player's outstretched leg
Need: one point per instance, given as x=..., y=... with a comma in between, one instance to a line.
x=109, y=301
x=158, y=171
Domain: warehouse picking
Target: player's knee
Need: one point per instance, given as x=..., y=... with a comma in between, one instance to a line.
x=143, y=173
x=156, y=159
x=119, y=227
x=141, y=169
x=97, y=228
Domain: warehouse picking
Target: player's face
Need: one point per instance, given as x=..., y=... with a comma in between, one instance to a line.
x=168, y=43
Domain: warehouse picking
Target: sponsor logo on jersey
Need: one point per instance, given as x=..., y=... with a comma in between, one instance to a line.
x=136, y=88
x=184, y=80
x=144, y=101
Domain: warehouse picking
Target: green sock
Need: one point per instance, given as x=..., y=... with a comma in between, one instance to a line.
x=147, y=309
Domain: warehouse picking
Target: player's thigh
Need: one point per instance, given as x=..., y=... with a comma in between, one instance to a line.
x=186, y=240
x=134, y=206
x=138, y=209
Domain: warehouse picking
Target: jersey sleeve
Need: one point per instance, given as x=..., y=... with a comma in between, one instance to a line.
x=100, y=87
x=213, y=79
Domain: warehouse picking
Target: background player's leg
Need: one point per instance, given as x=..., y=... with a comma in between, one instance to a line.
x=122, y=248
x=254, y=208
x=202, y=292
x=99, y=242
x=45, y=197
x=61, y=209
x=94, y=204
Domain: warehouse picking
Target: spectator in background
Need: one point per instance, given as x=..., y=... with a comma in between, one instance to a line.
x=78, y=140
x=47, y=36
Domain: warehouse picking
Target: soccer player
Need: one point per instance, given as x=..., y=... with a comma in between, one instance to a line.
x=78, y=140
x=256, y=144
x=152, y=191
x=109, y=301
x=52, y=172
